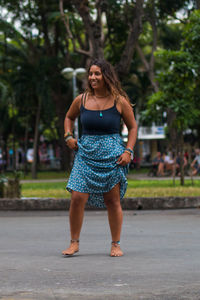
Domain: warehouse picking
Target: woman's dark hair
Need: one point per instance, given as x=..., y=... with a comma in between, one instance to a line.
x=112, y=82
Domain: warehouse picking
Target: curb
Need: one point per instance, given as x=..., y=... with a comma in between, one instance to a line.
x=145, y=203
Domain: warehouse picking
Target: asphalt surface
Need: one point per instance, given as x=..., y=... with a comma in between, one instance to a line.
x=161, y=261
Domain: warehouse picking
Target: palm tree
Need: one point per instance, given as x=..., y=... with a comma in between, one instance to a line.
x=27, y=76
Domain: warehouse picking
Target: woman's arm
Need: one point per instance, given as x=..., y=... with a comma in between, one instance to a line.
x=193, y=162
x=71, y=115
x=129, y=120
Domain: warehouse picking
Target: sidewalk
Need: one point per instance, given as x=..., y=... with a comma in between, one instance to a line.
x=144, y=203
x=160, y=262
x=127, y=203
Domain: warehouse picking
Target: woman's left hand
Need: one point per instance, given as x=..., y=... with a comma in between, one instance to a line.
x=124, y=159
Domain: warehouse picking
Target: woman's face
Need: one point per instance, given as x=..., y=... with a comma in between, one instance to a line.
x=95, y=77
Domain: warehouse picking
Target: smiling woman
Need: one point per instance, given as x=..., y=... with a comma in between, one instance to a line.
x=101, y=159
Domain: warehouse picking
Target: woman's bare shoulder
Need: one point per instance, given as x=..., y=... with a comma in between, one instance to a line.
x=123, y=104
x=74, y=109
x=77, y=101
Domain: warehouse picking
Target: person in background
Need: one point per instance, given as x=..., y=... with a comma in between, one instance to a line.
x=195, y=165
x=29, y=155
x=178, y=163
x=169, y=163
x=158, y=164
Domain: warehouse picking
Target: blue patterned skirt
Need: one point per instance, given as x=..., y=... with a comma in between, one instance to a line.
x=95, y=169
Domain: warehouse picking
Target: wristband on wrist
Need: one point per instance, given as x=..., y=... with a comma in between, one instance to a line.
x=68, y=133
x=126, y=151
x=68, y=138
x=129, y=150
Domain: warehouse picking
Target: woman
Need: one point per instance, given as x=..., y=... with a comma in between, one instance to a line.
x=101, y=161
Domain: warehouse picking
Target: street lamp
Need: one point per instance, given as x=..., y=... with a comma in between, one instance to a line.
x=70, y=73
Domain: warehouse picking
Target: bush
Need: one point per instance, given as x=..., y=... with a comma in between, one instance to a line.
x=10, y=187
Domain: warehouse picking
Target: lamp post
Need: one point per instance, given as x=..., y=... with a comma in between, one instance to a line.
x=70, y=73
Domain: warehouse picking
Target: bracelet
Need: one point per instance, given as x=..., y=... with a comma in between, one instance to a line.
x=126, y=151
x=68, y=134
x=129, y=150
x=68, y=138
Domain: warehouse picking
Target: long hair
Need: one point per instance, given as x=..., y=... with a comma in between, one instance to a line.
x=112, y=83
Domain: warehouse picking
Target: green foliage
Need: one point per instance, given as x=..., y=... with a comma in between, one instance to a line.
x=191, y=42
x=34, y=54
x=117, y=30
x=170, y=7
x=177, y=86
x=153, y=111
x=170, y=36
x=28, y=79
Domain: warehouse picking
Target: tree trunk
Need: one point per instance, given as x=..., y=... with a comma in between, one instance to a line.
x=5, y=154
x=182, y=159
x=171, y=117
x=14, y=150
x=149, y=65
x=65, y=152
x=62, y=104
x=149, y=68
x=123, y=66
x=35, y=143
x=93, y=28
x=189, y=162
x=25, y=149
x=197, y=4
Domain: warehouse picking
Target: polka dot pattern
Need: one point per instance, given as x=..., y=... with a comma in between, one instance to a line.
x=95, y=170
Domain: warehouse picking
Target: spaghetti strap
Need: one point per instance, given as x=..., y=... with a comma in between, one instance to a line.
x=83, y=99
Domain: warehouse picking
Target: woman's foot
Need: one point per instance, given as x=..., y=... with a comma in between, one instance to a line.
x=73, y=248
x=115, y=249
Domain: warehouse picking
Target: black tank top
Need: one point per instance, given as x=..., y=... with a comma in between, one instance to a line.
x=99, y=122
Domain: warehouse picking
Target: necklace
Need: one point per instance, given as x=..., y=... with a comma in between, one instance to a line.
x=102, y=96
x=100, y=110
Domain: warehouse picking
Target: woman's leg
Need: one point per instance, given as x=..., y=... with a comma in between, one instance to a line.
x=76, y=214
x=115, y=218
x=160, y=169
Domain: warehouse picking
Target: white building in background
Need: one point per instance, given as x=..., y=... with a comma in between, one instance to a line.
x=151, y=133
x=149, y=140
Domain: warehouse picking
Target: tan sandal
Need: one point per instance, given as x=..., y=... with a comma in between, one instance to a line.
x=73, y=248
x=115, y=249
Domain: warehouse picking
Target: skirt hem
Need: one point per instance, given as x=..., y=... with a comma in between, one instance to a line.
x=100, y=204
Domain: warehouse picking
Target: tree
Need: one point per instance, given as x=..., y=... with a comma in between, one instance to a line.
x=42, y=31
x=28, y=81
x=178, y=93
x=131, y=14
x=70, y=33
x=191, y=45
x=156, y=19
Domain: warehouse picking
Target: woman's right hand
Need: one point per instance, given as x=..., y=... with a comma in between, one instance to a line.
x=72, y=144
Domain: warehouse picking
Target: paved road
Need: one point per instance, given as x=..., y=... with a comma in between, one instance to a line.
x=161, y=261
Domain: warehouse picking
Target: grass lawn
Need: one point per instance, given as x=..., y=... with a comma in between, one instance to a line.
x=160, y=188
x=41, y=175
x=136, y=188
x=59, y=174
